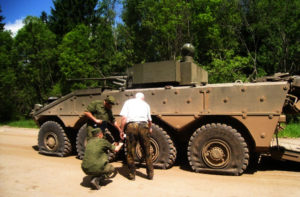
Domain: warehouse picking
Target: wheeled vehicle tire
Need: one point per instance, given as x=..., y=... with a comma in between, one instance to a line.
x=53, y=140
x=161, y=147
x=218, y=148
x=81, y=141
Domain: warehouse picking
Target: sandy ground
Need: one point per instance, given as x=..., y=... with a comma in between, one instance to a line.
x=25, y=172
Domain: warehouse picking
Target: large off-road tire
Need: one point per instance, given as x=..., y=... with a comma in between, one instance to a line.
x=162, y=149
x=81, y=142
x=218, y=148
x=53, y=140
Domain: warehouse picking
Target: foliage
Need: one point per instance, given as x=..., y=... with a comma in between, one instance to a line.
x=7, y=78
x=67, y=14
x=7, y=75
x=76, y=57
x=157, y=29
x=90, y=52
x=270, y=35
x=280, y=50
x=213, y=28
x=228, y=67
x=44, y=17
x=35, y=59
x=1, y=19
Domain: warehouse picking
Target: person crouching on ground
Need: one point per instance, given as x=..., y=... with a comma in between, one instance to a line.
x=95, y=161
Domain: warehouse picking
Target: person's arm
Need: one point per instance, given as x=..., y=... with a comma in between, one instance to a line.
x=118, y=127
x=150, y=126
x=93, y=118
x=123, y=123
x=123, y=114
x=149, y=118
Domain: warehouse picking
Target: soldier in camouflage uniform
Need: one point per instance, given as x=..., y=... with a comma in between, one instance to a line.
x=95, y=160
x=99, y=113
x=136, y=116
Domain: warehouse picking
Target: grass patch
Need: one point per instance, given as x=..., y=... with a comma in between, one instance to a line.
x=291, y=130
x=21, y=124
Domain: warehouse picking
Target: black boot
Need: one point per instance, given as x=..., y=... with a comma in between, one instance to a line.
x=95, y=183
x=131, y=175
x=150, y=174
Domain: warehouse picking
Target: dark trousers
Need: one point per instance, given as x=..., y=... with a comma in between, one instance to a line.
x=138, y=132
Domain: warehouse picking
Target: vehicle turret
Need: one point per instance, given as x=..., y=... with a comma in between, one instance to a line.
x=171, y=72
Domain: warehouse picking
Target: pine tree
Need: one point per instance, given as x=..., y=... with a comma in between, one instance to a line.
x=67, y=14
x=1, y=19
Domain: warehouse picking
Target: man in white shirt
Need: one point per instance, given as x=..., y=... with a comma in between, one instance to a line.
x=136, y=116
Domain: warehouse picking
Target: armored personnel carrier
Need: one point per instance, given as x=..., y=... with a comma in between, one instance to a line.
x=219, y=127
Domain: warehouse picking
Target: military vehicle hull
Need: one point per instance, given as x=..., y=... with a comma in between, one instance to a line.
x=220, y=126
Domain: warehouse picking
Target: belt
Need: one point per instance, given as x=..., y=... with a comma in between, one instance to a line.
x=138, y=122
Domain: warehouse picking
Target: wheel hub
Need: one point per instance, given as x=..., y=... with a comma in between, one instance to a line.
x=216, y=153
x=51, y=141
x=154, y=150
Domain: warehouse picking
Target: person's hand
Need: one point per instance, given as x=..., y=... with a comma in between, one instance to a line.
x=98, y=121
x=150, y=129
x=119, y=146
x=122, y=135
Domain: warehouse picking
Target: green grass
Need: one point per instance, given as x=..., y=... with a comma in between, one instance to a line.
x=21, y=123
x=292, y=130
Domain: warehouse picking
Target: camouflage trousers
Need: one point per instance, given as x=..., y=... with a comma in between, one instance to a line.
x=138, y=132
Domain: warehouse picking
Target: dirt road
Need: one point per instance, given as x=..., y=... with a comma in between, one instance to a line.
x=24, y=172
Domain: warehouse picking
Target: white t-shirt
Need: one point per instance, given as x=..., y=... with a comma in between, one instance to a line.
x=136, y=110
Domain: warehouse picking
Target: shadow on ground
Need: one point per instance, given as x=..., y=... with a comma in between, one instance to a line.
x=123, y=171
x=267, y=163
x=86, y=182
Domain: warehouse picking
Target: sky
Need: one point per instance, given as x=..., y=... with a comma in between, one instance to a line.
x=14, y=11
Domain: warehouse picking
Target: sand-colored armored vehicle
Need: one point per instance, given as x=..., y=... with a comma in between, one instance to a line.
x=219, y=128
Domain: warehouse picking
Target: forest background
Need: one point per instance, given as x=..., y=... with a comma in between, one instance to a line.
x=234, y=40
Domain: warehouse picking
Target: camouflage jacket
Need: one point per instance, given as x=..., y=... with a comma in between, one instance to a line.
x=98, y=110
x=95, y=157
